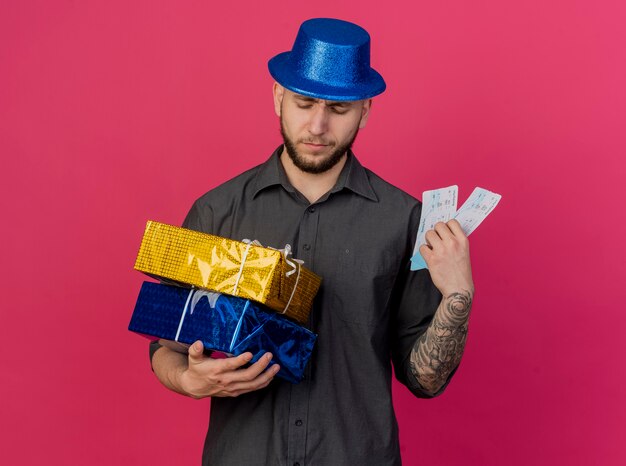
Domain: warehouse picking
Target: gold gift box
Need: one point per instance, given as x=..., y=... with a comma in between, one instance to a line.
x=265, y=275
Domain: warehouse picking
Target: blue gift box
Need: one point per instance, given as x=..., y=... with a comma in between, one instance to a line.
x=223, y=323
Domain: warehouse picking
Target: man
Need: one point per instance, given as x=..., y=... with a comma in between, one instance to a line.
x=357, y=232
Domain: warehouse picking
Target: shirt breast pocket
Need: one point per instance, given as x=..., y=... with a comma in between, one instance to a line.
x=363, y=286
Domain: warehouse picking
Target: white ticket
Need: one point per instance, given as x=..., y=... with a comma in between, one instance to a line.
x=438, y=205
x=480, y=204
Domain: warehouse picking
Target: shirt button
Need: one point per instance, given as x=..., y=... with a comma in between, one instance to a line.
x=306, y=247
x=298, y=422
x=312, y=209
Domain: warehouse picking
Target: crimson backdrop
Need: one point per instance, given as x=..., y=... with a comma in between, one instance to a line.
x=115, y=112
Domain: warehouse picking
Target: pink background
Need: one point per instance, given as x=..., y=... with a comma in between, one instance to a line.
x=116, y=112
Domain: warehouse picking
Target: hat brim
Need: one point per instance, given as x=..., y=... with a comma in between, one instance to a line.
x=283, y=74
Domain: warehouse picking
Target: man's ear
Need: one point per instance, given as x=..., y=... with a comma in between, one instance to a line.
x=365, y=112
x=279, y=93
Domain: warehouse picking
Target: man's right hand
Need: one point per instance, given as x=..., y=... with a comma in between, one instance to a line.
x=201, y=376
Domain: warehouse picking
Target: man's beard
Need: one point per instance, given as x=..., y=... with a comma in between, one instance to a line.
x=311, y=167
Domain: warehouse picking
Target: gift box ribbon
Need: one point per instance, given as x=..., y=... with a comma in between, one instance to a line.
x=291, y=261
x=194, y=296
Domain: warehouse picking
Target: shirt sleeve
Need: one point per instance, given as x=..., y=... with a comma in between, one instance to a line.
x=416, y=300
x=199, y=217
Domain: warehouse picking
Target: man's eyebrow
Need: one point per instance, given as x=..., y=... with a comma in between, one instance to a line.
x=339, y=103
x=329, y=103
x=305, y=98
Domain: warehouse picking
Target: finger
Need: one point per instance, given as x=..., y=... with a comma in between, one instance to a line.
x=443, y=231
x=252, y=372
x=455, y=228
x=234, y=363
x=196, y=353
x=260, y=381
x=432, y=238
x=426, y=252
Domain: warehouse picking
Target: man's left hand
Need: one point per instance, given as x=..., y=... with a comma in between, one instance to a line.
x=446, y=253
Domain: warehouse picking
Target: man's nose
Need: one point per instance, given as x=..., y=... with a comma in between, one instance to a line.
x=318, y=123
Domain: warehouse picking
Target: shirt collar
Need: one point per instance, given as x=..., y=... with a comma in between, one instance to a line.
x=353, y=176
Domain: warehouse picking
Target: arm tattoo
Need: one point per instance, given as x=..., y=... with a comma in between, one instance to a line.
x=438, y=351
